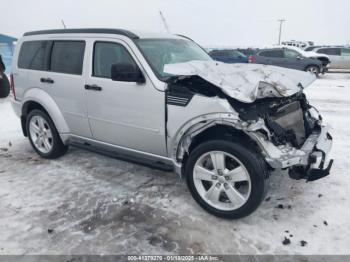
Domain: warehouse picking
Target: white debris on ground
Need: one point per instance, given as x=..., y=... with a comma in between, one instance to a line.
x=84, y=203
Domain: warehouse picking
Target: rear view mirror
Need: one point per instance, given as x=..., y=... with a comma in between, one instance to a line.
x=126, y=73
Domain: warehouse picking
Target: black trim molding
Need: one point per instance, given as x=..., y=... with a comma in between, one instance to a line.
x=85, y=31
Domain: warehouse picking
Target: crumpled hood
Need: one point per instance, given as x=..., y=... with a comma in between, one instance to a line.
x=314, y=54
x=245, y=82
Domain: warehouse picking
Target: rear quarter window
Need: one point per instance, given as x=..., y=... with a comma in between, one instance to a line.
x=67, y=57
x=34, y=55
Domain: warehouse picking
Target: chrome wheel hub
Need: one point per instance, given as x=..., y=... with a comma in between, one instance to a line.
x=40, y=134
x=222, y=180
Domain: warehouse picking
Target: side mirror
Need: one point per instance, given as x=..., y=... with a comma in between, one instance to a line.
x=127, y=73
x=299, y=57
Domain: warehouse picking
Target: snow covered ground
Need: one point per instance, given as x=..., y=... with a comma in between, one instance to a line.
x=85, y=203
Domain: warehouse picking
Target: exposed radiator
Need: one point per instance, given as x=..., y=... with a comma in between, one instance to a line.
x=290, y=117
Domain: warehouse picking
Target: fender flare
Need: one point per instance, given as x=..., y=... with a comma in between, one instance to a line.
x=182, y=139
x=45, y=100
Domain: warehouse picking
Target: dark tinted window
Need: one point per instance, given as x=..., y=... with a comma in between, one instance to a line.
x=345, y=51
x=218, y=53
x=288, y=53
x=67, y=57
x=106, y=54
x=272, y=53
x=329, y=51
x=34, y=55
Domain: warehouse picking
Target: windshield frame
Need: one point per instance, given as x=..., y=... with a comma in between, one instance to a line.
x=155, y=71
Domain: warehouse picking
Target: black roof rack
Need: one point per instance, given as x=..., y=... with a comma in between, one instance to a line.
x=85, y=31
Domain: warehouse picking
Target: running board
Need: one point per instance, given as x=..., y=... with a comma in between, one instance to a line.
x=156, y=164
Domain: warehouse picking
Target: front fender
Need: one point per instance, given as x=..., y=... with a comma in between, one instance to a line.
x=182, y=139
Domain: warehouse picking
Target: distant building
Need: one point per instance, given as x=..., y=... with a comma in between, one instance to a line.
x=7, y=44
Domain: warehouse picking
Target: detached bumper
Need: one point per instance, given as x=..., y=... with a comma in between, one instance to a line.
x=313, y=153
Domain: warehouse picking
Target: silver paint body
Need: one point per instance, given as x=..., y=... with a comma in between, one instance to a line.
x=338, y=61
x=129, y=118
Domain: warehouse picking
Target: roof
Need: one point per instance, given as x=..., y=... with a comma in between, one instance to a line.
x=7, y=39
x=131, y=34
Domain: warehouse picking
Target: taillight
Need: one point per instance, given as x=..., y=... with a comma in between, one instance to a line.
x=250, y=59
x=12, y=86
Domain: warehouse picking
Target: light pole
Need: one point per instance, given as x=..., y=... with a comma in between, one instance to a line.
x=280, y=31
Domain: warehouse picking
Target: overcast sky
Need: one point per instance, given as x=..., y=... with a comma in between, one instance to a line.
x=210, y=23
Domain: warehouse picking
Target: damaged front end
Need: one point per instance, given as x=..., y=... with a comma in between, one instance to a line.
x=264, y=102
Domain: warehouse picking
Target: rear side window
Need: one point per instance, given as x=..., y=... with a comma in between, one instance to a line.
x=272, y=53
x=67, y=57
x=34, y=55
x=329, y=51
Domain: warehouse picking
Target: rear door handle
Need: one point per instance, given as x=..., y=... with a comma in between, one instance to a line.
x=47, y=80
x=93, y=87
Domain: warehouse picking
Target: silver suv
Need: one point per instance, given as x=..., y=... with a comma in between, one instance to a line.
x=162, y=101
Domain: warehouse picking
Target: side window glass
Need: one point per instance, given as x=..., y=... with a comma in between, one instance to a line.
x=272, y=53
x=67, y=57
x=106, y=54
x=34, y=55
x=345, y=52
x=290, y=53
x=265, y=54
x=329, y=51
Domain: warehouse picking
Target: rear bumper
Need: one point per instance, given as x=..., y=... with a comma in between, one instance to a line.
x=16, y=106
x=313, y=153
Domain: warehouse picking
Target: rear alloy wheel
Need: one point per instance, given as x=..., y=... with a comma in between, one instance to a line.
x=313, y=69
x=226, y=179
x=43, y=135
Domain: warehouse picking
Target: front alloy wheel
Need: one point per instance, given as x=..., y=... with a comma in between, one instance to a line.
x=313, y=69
x=226, y=178
x=222, y=180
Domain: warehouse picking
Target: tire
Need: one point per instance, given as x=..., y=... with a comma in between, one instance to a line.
x=313, y=69
x=4, y=85
x=43, y=135
x=250, y=166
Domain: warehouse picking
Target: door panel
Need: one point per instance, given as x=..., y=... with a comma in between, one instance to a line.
x=293, y=59
x=126, y=114
x=65, y=83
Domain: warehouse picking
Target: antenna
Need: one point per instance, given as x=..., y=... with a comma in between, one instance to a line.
x=64, y=25
x=164, y=22
x=280, y=31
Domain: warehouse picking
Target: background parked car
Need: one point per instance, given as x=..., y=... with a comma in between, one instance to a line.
x=286, y=57
x=339, y=56
x=313, y=47
x=229, y=56
x=311, y=54
x=4, y=82
x=300, y=44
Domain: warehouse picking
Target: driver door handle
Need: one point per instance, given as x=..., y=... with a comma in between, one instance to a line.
x=93, y=87
x=46, y=80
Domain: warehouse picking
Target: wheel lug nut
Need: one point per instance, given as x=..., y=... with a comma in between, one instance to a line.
x=218, y=184
x=214, y=177
x=226, y=185
x=227, y=177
